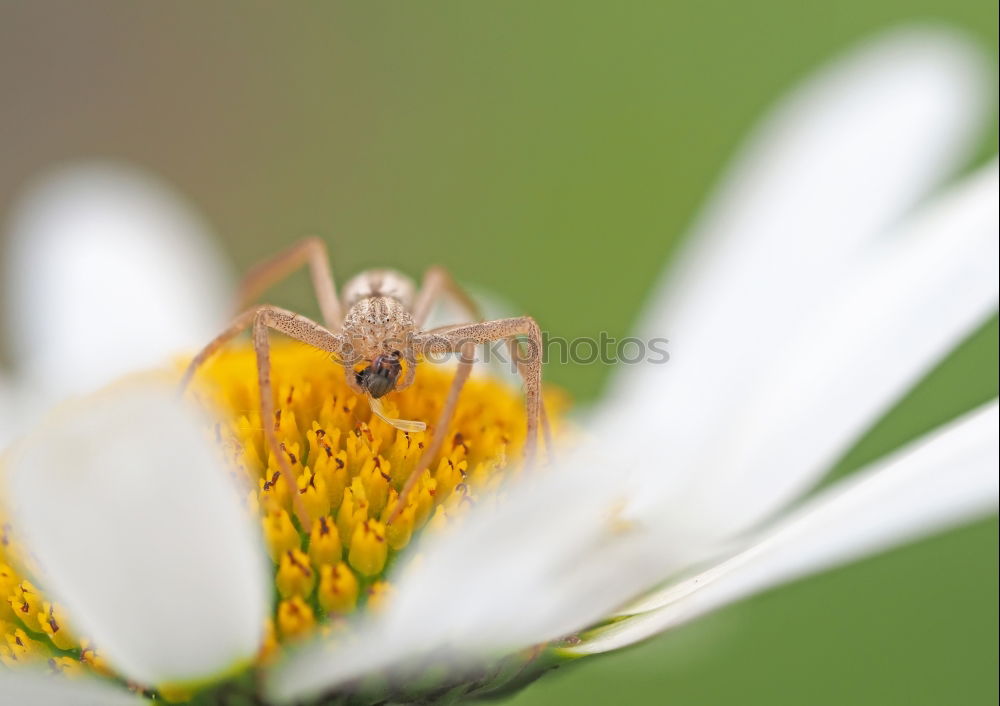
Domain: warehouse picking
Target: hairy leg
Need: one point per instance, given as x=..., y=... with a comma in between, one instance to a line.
x=465, y=362
x=311, y=251
x=287, y=322
x=517, y=356
x=439, y=282
x=262, y=348
x=460, y=339
x=293, y=325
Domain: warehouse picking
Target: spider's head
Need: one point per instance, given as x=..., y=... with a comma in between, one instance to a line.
x=379, y=378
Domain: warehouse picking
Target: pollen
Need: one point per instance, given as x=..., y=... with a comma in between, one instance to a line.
x=349, y=468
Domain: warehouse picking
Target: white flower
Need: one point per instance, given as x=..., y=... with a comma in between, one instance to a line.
x=820, y=285
x=107, y=271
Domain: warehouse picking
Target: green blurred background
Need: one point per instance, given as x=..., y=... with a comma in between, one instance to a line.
x=551, y=152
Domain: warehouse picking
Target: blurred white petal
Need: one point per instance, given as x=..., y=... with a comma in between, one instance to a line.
x=916, y=297
x=140, y=533
x=7, y=405
x=945, y=479
x=554, y=555
x=835, y=164
x=29, y=688
x=108, y=271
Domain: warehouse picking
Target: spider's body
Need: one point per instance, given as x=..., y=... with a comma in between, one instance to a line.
x=378, y=325
x=379, y=283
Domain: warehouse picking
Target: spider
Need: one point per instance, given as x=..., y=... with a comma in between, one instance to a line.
x=378, y=323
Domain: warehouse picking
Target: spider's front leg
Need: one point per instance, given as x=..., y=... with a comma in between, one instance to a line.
x=438, y=283
x=310, y=251
x=462, y=339
x=455, y=339
x=295, y=326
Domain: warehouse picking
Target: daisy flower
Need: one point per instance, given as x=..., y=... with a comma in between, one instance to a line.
x=150, y=553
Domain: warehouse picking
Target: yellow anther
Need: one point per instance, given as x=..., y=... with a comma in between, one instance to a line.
x=285, y=425
x=368, y=548
x=273, y=491
x=398, y=534
x=375, y=478
x=324, y=445
x=363, y=444
x=424, y=497
x=22, y=648
x=8, y=590
x=439, y=520
x=295, y=575
x=403, y=453
x=334, y=472
x=8, y=580
x=246, y=432
x=295, y=618
x=280, y=534
x=54, y=624
x=312, y=490
x=66, y=666
x=353, y=509
x=450, y=473
x=290, y=452
x=26, y=604
x=93, y=659
x=379, y=594
x=324, y=542
x=338, y=589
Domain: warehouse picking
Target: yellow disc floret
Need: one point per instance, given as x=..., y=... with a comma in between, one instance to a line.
x=349, y=467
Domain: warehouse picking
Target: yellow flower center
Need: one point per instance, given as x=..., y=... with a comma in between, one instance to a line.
x=349, y=467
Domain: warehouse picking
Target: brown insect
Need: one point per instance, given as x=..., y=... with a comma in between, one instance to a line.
x=371, y=330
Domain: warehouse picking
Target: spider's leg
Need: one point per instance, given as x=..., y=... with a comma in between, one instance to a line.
x=294, y=326
x=517, y=356
x=438, y=282
x=271, y=271
x=459, y=339
x=430, y=452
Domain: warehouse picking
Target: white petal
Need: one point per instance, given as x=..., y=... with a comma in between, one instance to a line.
x=945, y=479
x=108, y=271
x=7, y=419
x=916, y=297
x=553, y=556
x=140, y=533
x=28, y=688
x=833, y=166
